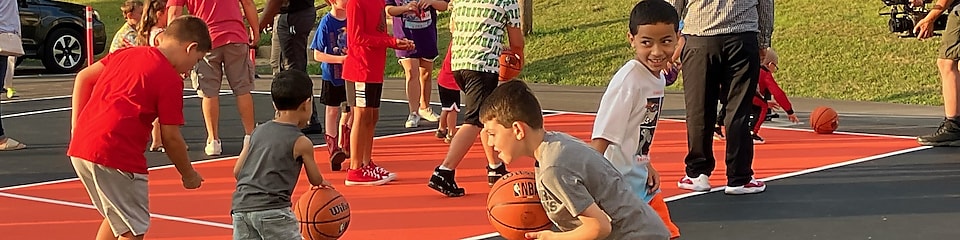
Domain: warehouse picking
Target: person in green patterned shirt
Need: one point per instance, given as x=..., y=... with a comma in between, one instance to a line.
x=127, y=35
x=478, y=39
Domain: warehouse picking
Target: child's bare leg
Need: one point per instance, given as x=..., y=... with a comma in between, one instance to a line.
x=361, y=136
x=330, y=121
x=411, y=67
x=444, y=124
x=105, y=232
x=426, y=71
x=460, y=144
x=157, y=142
x=492, y=158
x=245, y=107
x=451, y=122
x=211, y=116
x=129, y=236
x=950, y=76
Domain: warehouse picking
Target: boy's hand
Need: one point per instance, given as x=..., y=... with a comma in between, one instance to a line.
x=424, y=4
x=544, y=235
x=653, y=179
x=793, y=118
x=192, y=180
x=924, y=28
x=405, y=44
x=324, y=184
x=774, y=105
x=412, y=6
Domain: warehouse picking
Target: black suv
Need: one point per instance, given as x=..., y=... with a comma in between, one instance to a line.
x=55, y=33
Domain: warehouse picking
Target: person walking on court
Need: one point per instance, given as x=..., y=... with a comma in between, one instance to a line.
x=10, y=24
x=292, y=29
x=737, y=31
x=948, y=134
x=231, y=46
x=417, y=20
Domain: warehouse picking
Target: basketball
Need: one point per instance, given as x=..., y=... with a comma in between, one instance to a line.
x=513, y=206
x=510, y=65
x=824, y=120
x=323, y=214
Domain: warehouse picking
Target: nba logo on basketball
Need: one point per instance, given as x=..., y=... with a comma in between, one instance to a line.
x=525, y=189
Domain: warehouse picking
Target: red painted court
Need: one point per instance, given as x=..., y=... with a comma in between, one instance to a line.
x=405, y=208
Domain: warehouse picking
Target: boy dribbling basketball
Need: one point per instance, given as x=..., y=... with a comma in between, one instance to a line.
x=572, y=178
x=269, y=166
x=630, y=107
x=114, y=105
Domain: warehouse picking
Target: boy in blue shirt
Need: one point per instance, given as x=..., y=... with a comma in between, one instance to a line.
x=330, y=48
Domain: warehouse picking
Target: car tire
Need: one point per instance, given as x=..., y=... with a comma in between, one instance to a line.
x=64, y=51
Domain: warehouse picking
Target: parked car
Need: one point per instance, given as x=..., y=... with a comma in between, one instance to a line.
x=55, y=33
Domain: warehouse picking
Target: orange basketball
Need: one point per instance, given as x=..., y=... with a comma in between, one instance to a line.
x=824, y=120
x=513, y=206
x=323, y=214
x=510, y=65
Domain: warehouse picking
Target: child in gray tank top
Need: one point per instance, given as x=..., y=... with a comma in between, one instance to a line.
x=582, y=193
x=269, y=166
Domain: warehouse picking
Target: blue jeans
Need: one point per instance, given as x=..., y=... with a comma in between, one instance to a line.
x=279, y=224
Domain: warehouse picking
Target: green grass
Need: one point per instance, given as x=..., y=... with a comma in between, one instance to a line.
x=827, y=49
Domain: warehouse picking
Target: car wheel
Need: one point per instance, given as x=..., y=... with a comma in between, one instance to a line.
x=63, y=51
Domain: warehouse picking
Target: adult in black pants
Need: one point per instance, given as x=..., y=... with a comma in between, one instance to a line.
x=292, y=29
x=724, y=41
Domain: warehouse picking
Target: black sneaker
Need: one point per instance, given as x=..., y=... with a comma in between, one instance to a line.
x=717, y=133
x=948, y=134
x=494, y=174
x=443, y=181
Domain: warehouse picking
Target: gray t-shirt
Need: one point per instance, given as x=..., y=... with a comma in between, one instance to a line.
x=270, y=172
x=571, y=176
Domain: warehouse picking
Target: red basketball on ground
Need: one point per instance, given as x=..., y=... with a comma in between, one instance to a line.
x=513, y=206
x=323, y=214
x=510, y=65
x=824, y=120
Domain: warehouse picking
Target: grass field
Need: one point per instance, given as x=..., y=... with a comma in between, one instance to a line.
x=828, y=49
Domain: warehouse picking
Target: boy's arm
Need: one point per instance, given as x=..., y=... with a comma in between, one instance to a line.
x=321, y=56
x=174, y=9
x=250, y=12
x=777, y=92
x=568, y=187
x=82, y=88
x=393, y=10
x=304, y=149
x=596, y=225
x=176, y=150
x=244, y=153
x=600, y=144
x=514, y=34
x=169, y=92
x=356, y=23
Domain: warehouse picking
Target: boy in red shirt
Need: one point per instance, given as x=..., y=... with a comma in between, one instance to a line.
x=114, y=106
x=363, y=70
x=766, y=85
x=449, y=93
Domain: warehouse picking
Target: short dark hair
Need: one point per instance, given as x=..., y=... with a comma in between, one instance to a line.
x=648, y=12
x=510, y=102
x=189, y=28
x=290, y=88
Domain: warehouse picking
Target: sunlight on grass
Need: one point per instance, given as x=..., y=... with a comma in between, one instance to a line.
x=828, y=49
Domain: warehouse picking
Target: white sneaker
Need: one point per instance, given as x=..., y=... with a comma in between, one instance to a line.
x=428, y=114
x=213, y=148
x=699, y=184
x=413, y=120
x=754, y=186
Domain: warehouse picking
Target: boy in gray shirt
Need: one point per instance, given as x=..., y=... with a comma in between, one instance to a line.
x=582, y=193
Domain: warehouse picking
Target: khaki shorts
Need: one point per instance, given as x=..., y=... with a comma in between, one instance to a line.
x=950, y=40
x=232, y=60
x=120, y=197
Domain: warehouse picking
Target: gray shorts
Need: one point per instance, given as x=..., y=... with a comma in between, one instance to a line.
x=279, y=224
x=232, y=60
x=120, y=197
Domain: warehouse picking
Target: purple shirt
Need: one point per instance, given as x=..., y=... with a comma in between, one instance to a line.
x=421, y=27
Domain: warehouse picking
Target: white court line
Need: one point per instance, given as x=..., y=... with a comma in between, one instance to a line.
x=36, y=99
x=88, y=206
x=64, y=109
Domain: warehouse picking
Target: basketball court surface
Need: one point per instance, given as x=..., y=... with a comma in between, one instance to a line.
x=870, y=180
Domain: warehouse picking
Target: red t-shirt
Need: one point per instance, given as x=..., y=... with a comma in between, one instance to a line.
x=137, y=86
x=368, y=40
x=224, y=19
x=768, y=85
x=445, y=79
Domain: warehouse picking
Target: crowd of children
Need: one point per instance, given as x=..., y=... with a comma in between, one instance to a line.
x=350, y=41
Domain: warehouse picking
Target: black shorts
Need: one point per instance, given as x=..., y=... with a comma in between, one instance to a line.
x=476, y=86
x=449, y=99
x=365, y=95
x=331, y=95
